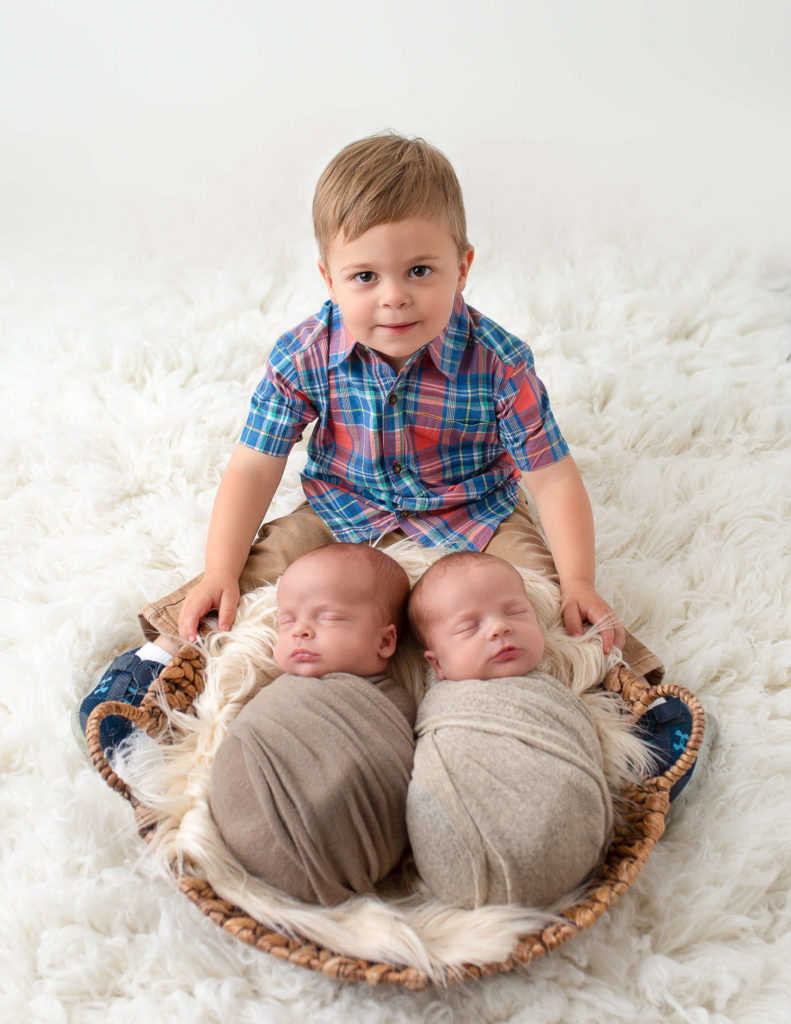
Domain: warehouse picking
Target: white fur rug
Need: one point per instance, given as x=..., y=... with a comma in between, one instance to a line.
x=126, y=376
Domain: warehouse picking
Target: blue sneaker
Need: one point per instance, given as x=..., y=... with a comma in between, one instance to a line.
x=666, y=727
x=127, y=678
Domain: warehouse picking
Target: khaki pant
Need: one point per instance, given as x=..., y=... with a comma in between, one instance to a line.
x=282, y=541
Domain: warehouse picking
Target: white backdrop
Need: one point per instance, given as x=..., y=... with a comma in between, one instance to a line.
x=625, y=168
x=176, y=122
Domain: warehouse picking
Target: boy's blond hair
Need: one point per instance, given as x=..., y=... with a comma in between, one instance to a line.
x=382, y=179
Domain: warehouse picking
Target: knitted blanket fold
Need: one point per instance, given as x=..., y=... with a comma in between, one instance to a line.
x=508, y=801
x=309, y=788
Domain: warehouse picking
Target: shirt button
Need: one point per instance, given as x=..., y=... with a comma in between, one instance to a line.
x=393, y=399
x=404, y=513
x=396, y=467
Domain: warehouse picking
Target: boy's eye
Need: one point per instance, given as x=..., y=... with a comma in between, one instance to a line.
x=467, y=626
x=364, y=276
x=285, y=620
x=420, y=271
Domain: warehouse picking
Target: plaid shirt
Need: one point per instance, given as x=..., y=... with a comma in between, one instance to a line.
x=435, y=449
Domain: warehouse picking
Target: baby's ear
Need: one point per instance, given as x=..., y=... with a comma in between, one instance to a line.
x=388, y=641
x=433, y=660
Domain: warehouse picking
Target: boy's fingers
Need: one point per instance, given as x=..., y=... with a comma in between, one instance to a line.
x=613, y=635
x=572, y=619
x=188, y=625
x=194, y=608
x=227, y=610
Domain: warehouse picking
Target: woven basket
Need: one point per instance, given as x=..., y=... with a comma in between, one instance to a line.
x=642, y=825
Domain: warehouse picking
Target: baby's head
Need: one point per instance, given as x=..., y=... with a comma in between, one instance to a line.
x=471, y=614
x=340, y=609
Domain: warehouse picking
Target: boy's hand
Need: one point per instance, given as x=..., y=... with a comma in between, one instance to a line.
x=217, y=590
x=247, y=486
x=580, y=603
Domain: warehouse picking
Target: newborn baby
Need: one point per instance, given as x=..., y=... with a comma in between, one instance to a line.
x=309, y=788
x=508, y=801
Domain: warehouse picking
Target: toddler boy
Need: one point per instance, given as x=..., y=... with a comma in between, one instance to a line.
x=427, y=417
x=308, y=790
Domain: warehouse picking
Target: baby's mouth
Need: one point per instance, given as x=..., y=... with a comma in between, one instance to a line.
x=303, y=654
x=506, y=654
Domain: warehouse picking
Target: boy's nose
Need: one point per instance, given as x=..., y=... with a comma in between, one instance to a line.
x=394, y=295
x=301, y=629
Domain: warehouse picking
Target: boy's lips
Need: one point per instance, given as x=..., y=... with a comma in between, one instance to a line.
x=398, y=328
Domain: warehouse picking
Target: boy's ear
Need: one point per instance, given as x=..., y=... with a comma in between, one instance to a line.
x=433, y=660
x=388, y=641
x=324, y=271
x=464, y=268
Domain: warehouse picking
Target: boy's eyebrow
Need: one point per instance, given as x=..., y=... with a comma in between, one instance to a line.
x=411, y=262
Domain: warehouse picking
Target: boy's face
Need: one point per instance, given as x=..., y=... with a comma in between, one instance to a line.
x=395, y=285
x=482, y=625
x=330, y=621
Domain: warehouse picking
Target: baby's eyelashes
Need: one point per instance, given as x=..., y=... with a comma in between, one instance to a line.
x=288, y=618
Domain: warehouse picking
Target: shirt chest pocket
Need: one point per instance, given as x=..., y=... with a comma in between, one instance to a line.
x=452, y=429
x=447, y=447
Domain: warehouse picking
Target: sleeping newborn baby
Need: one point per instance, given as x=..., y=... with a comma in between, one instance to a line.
x=309, y=788
x=508, y=801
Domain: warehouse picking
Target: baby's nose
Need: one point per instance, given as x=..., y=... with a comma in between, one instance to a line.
x=499, y=627
x=301, y=629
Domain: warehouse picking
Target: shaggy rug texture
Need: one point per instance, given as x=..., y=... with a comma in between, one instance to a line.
x=125, y=381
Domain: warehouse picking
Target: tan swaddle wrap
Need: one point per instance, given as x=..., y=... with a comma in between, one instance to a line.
x=309, y=788
x=508, y=801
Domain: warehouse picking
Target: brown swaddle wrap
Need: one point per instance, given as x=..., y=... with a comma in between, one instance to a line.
x=508, y=801
x=309, y=788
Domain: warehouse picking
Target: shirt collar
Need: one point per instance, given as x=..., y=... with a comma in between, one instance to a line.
x=448, y=347
x=445, y=350
x=341, y=342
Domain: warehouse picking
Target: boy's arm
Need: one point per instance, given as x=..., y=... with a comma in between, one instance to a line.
x=567, y=520
x=243, y=497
